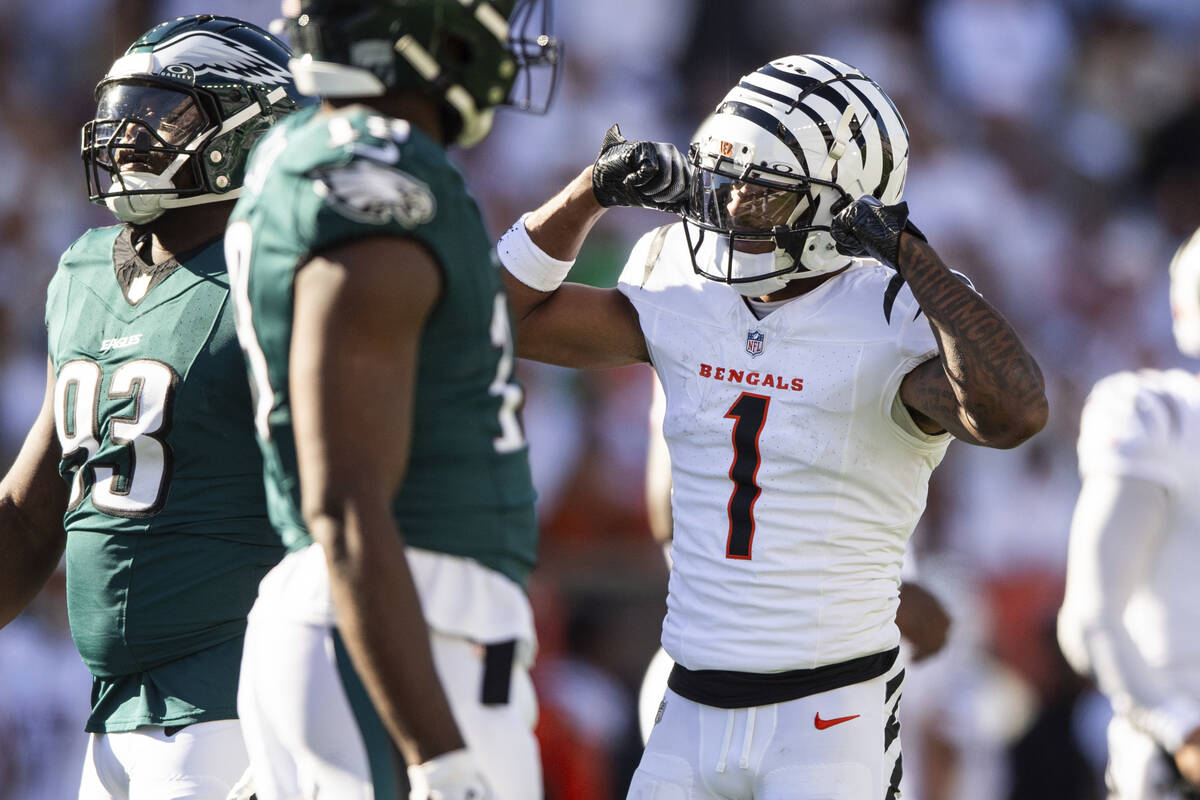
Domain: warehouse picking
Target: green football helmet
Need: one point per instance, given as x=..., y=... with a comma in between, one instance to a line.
x=470, y=55
x=178, y=113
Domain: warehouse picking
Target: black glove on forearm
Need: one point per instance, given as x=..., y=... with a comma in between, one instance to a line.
x=646, y=174
x=868, y=228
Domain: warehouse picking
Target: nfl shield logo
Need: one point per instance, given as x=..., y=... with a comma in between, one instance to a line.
x=754, y=343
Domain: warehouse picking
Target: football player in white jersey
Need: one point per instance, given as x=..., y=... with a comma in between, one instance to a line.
x=922, y=619
x=1131, y=614
x=817, y=356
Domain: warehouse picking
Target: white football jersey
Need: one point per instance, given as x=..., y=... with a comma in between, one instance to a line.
x=1146, y=425
x=795, y=489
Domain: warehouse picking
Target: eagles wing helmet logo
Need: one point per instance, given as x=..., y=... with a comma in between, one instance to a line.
x=755, y=341
x=369, y=192
x=210, y=54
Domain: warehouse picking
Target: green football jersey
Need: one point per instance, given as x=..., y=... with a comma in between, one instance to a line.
x=167, y=533
x=320, y=179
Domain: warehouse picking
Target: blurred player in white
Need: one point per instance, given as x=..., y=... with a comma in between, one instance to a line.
x=1131, y=615
x=808, y=399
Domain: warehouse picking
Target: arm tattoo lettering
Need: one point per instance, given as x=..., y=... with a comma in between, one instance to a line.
x=989, y=389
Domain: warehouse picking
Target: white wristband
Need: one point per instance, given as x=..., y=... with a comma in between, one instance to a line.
x=527, y=262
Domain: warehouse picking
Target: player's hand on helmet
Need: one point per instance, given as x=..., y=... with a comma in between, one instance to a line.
x=646, y=174
x=451, y=776
x=868, y=229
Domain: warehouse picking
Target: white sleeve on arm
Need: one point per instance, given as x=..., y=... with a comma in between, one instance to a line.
x=1117, y=528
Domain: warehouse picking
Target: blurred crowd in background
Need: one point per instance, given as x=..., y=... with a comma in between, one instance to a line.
x=1055, y=160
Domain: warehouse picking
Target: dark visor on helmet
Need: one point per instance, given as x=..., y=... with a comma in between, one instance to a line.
x=139, y=127
x=723, y=203
x=174, y=116
x=749, y=205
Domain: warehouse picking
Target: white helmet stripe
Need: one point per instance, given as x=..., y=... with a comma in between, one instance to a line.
x=768, y=123
x=881, y=130
x=829, y=90
x=809, y=87
x=874, y=88
x=489, y=18
x=816, y=118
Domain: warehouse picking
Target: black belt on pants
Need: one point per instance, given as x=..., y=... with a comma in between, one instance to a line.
x=726, y=689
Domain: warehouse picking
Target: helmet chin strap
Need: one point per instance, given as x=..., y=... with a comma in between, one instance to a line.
x=739, y=265
x=139, y=209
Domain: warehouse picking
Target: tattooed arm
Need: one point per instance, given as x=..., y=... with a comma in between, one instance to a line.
x=984, y=386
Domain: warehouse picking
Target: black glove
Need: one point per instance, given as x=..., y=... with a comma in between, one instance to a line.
x=646, y=174
x=868, y=228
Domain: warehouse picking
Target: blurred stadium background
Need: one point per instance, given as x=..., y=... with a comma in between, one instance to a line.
x=1055, y=160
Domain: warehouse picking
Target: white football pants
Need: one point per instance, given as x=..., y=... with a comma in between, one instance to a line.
x=842, y=744
x=201, y=762
x=311, y=730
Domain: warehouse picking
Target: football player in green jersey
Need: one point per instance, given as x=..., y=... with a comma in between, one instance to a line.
x=142, y=463
x=381, y=356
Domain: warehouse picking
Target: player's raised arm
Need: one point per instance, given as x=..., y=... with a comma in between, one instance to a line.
x=32, y=500
x=984, y=387
x=359, y=313
x=571, y=324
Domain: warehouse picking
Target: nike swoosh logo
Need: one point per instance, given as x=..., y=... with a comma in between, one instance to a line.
x=822, y=724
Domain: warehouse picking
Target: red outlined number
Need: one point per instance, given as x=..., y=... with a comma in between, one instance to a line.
x=749, y=413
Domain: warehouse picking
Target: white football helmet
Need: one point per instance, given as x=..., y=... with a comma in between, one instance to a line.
x=787, y=148
x=1185, y=296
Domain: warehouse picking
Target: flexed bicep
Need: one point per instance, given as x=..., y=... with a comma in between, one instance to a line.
x=567, y=324
x=576, y=326
x=929, y=398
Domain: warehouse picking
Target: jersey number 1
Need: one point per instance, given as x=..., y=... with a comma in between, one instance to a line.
x=749, y=413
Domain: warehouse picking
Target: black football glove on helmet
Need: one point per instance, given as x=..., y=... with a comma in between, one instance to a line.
x=868, y=229
x=645, y=174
